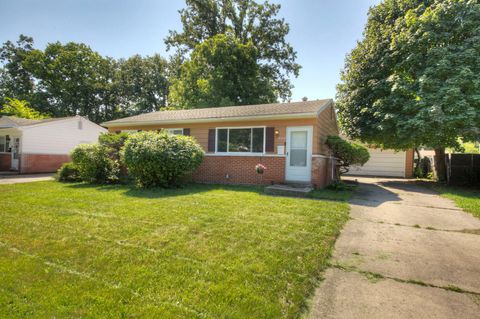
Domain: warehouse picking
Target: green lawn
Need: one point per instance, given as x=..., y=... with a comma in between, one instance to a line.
x=74, y=250
x=466, y=198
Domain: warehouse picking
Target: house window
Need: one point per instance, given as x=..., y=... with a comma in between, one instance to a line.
x=241, y=140
x=80, y=125
x=175, y=131
x=4, y=144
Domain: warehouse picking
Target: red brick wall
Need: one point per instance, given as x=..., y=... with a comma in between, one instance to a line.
x=409, y=163
x=240, y=170
x=42, y=163
x=322, y=174
x=5, y=161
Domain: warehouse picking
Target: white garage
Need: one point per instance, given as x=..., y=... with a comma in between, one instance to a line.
x=386, y=163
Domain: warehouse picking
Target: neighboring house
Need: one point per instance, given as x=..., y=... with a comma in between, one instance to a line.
x=288, y=138
x=41, y=146
x=386, y=163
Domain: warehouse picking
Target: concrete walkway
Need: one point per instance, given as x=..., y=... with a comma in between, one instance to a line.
x=406, y=253
x=28, y=178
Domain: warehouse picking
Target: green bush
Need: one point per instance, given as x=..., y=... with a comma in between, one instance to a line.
x=68, y=172
x=94, y=164
x=347, y=153
x=113, y=143
x=161, y=159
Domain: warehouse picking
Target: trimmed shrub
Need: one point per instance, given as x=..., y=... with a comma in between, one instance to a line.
x=347, y=153
x=68, y=172
x=94, y=164
x=161, y=159
x=113, y=143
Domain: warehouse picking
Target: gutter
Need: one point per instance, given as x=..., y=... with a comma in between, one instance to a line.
x=207, y=120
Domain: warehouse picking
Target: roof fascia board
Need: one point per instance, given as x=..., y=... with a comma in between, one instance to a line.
x=324, y=107
x=222, y=119
x=50, y=123
x=13, y=124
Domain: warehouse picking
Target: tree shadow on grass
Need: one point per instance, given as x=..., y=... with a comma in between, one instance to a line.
x=159, y=192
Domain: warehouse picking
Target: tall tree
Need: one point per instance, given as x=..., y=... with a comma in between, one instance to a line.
x=143, y=83
x=15, y=80
x=72, y=79
x=249, y=21
x=222, y=71
x=414, y=78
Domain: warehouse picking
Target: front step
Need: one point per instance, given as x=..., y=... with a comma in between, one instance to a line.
x=296, y=190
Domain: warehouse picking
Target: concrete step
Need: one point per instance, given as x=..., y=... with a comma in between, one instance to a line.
x=289, y=190
x=8, y=173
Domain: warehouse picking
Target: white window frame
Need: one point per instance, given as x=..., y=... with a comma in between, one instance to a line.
x=172, y=130
x=251, y=141
x=5, y=150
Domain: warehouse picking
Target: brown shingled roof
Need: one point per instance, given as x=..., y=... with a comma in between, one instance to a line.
x=228, y=112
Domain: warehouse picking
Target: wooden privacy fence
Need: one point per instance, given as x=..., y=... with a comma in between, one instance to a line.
x=463, y=169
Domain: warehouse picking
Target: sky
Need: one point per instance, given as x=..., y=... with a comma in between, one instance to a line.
x=321, y=31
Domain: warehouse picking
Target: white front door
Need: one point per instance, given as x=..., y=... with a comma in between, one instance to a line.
x=299, y=154
x=15, y=152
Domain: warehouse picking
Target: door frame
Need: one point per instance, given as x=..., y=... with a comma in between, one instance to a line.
x=15, y=163
x=308, y=168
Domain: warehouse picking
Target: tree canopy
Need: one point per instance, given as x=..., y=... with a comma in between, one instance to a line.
x=414, y=79
x=72, y=79
x=20, y=108
x=222, y=71
x=248, y=21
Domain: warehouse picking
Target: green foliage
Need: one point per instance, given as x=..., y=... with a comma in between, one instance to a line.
x=68, y=172
x=221, y=71
x=340, y=186
x=15, y=80
x=113, y=143
x=471, y=148
x=20, y=108
x=161, y=159
x=72, y=79
x=143, y=84
x=347, y=153
x=414, y=78
x=94, y=164
x=249, y=22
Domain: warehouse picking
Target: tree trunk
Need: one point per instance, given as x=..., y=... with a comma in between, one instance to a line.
x=440, y=165
x=418, y=157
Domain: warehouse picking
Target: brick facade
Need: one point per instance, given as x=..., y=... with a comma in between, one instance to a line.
x=237, y=169
x=409, y=163
x=42, y=163
x=240, y=170
x=323, y=171
x=5, y=161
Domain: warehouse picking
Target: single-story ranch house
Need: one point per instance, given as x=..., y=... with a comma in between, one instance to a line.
x=288, y=138
x=42, y=146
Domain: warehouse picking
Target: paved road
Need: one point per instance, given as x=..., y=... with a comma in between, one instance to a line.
x=15, y=179
x=406, y=253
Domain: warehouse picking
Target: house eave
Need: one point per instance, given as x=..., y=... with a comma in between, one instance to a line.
x=211, y=120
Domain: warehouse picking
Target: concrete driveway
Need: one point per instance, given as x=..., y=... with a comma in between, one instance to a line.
x=406, y=253
x=28, y=178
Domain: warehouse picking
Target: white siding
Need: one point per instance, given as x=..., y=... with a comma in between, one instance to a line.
x=59, y=137
x=382, y=163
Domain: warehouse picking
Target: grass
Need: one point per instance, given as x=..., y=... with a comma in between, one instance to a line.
x=467, y=199
x=75, y=250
